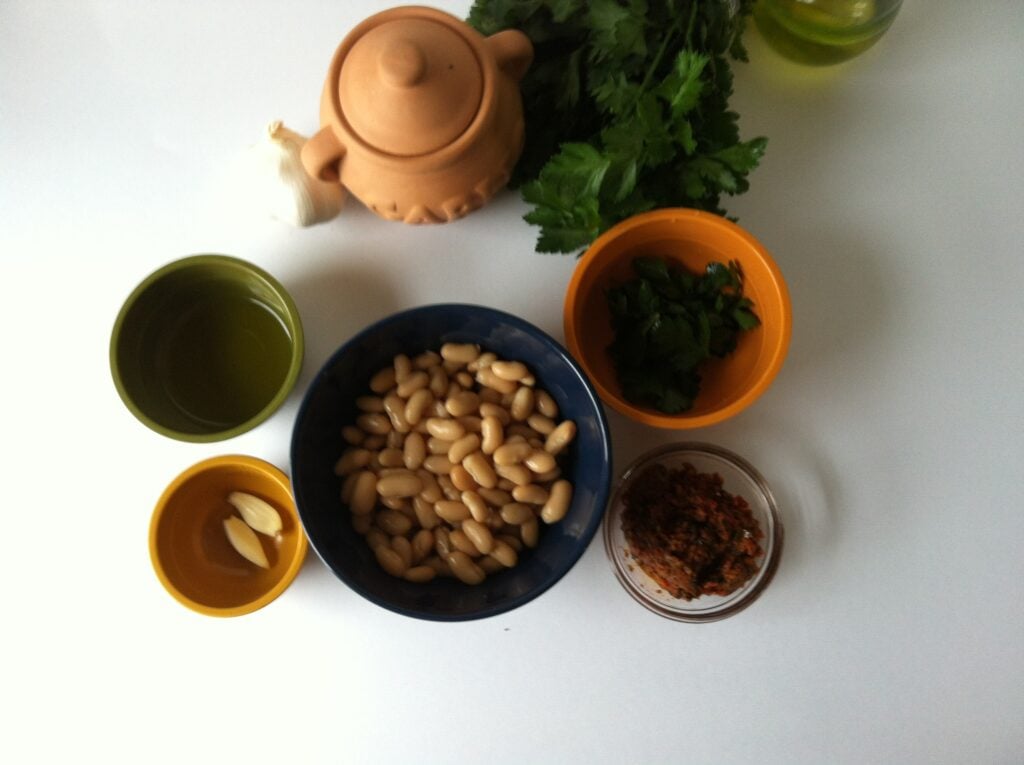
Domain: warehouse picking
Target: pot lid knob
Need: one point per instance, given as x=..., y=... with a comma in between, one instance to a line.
x=402, y=64
x=410, y=86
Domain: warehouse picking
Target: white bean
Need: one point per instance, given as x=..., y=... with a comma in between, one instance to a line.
x=414, y=451
x=403, y=367
x=389, y=560
x=426, y=360
x=375, y=423
x=462, y=542
x=543, y=425
x=418, y=380
x=516, y=513
x=520, y=475
x=375, y=538
x=461, y=353
x=510, y=370
x=394, y=407
x=512, y=453
x=493, y=436
x=419, y=574
x=351, y=460
x=530, y=532
x=487, y=378
x=364, y=493
x=546, y=405
x=438, y=381
x=393, y=522
x=462, y=480
x=464, y=568
x=450, y=462
x=391, y=458
x=422, y=544
x=522, y=404
x=504, y=553
x=438, y=464
x=402, y=546
x=425, y=514
x=370, y=404
x=531, y=494
x=353, y=436
x=495, y=497
x=404, y=484
x=383, y=381
x=446, y=430
x=557, y=505
x=560, y=437
x=479, y=535
x=477, y=506
x=480, y=468
x=462, y=448
x=540, y=461
x=462, y=403
x=451, y=511
x=417, y=405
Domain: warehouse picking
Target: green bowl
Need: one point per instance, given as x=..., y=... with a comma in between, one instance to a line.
x=206, y=348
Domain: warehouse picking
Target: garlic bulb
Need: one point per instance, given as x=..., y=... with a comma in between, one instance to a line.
x=278, y=183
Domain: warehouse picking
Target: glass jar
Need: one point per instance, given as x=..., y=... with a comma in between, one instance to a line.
x=824, y=32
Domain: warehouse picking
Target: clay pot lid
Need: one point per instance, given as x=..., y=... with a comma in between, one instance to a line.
x=410, y=86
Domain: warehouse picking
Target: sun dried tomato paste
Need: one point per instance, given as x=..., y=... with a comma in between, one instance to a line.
x=689, y=534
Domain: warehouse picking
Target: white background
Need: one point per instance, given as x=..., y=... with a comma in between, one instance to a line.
x=894, y=630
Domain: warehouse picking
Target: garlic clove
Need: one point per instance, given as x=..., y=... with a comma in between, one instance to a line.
x=245, y=541
x=257, y=513
x=279, y=184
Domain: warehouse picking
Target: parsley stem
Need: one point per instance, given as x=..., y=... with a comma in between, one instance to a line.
x=662, y=49
x=657, y=58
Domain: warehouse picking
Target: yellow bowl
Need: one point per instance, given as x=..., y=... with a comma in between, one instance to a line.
x=692, y=239
x=190, y=550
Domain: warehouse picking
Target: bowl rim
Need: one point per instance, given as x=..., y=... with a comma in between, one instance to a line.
x=652, y=417
x=775, y=530
x=285, y=389
x=272, y=472
x=601, y=494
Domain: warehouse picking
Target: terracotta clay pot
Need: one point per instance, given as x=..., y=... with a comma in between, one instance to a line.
x=421, y=115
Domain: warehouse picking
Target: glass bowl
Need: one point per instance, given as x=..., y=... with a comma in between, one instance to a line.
x=741, y=479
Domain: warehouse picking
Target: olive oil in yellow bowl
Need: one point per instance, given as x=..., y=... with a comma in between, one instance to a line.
x=822, y=32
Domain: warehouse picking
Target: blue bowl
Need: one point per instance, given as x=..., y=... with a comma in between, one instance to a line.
x=329, y=404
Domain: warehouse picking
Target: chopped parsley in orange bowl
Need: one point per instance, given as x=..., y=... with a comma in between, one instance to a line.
x=680, y=318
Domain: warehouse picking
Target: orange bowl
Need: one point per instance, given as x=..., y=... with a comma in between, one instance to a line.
x=692, y=239
x=189, y=547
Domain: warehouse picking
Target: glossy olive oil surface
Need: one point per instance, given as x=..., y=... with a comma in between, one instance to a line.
x=226, y=358
x=823, y=31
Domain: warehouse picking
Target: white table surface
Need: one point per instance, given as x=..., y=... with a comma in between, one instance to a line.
x=894, y=630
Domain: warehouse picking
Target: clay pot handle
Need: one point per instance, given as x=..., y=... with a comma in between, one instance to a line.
x=322, y=154
x=513, y=52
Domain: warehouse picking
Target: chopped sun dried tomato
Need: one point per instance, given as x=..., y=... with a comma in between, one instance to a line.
x=689, y=534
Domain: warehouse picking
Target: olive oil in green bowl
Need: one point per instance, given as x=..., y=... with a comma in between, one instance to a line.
x=822, y=32
x=206, y=348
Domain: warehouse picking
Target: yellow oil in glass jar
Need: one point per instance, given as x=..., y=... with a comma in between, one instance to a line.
x=824, y=31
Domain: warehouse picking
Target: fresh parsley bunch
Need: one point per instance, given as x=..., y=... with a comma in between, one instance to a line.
x=626, y=108
x=667, y=322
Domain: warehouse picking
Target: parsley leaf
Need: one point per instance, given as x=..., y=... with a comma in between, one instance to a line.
x=644, y=85
x=667, y=322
